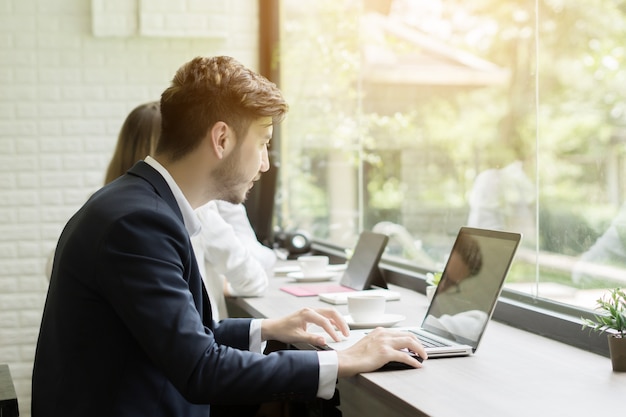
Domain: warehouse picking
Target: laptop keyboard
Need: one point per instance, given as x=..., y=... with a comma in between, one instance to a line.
x=427, y=341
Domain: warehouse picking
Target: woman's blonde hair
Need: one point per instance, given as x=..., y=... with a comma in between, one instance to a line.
x=137, y=139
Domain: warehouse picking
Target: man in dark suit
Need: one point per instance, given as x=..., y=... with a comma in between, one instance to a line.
x=127, y=327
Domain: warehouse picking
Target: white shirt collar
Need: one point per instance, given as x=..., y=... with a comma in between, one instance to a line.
x=192, y=223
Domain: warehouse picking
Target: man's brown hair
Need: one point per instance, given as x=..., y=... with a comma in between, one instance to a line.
x=207, y=90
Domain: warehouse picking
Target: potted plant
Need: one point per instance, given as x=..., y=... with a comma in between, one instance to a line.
x=613, y=321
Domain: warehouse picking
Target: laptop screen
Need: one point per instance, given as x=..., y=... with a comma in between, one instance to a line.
x=362, y=271
x=470, y=284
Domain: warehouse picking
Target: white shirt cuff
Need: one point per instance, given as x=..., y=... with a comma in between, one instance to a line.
x=329, y=367
x=256, y=344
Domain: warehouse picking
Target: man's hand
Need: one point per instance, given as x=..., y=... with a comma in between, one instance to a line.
x=378, y=348
x=293, y=328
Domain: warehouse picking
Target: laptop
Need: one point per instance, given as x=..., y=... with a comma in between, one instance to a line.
x=466, y=296
x=361, y=274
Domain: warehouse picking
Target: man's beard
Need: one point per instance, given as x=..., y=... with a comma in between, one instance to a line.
x=228, y=178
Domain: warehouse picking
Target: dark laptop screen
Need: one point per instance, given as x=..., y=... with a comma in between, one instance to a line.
x=470, y=284
x=362, y=271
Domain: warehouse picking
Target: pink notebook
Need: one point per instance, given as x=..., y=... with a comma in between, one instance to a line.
x=311, y=290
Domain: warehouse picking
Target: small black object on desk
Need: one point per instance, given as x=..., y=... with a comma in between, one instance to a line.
x=394, y=366
x=8, y=398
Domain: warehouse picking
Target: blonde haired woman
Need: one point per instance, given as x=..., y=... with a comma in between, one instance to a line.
x=137, y=139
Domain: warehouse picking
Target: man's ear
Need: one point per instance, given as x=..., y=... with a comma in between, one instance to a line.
x=220, y=136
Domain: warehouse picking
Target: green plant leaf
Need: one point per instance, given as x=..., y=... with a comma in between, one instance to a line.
x=613, y=308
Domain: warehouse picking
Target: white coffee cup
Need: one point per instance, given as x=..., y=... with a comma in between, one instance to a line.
x=313, y=265
x=366, y=308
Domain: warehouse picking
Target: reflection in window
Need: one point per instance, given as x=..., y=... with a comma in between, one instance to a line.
x=414, y=118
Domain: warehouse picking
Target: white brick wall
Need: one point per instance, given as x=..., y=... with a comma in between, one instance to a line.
x=63, y=96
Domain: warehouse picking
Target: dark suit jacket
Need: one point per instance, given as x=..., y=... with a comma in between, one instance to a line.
x=127, y=328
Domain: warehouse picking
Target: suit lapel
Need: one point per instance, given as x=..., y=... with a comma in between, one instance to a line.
x=201, y=298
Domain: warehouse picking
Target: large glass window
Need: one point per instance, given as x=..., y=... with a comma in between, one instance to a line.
x=414, y=118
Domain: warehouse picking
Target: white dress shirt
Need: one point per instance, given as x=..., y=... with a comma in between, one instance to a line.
x=228, y=253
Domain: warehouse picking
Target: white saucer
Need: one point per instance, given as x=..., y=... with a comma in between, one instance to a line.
x=337, y=267
x=326, y=276
x=285, y=269
x=388, y=320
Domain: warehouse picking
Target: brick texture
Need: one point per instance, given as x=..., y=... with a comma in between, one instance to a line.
x=70, y=72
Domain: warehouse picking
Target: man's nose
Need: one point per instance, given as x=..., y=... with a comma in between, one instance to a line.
x=265, y=161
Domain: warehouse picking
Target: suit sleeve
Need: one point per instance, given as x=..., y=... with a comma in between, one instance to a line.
x=144, y=276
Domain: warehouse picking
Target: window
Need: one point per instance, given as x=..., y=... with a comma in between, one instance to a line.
x=414, y=118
